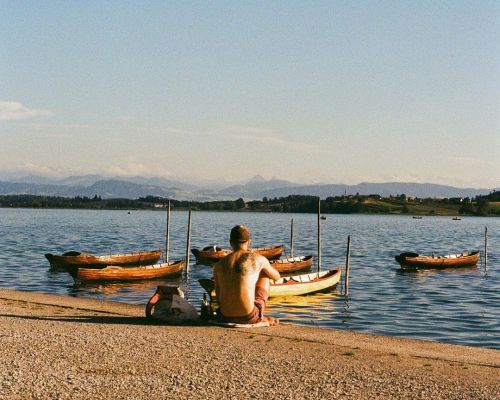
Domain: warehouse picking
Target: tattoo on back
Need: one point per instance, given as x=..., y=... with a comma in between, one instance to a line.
x=245, y=264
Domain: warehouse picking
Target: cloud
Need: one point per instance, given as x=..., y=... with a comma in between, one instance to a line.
x=137, y=169
x=264, y=136
x=29, y=168
x=13, y=110
x=124, y=170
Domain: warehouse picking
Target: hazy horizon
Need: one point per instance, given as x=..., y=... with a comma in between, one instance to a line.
x=323, y=92
x=221, y=181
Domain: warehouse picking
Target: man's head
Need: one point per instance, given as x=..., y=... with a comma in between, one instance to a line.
x=240, y=237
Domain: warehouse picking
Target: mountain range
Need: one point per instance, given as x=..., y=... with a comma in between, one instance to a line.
x=255, y=188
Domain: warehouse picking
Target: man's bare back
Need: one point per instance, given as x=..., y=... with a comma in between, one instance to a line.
x=235, y=279
x=238, y=277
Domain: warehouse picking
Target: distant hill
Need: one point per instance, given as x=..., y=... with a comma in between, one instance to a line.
x=36, y=189
x=105, y=189
x=255, y=188
x=114, y=188
x=78, y=180
x=89, y=180
x=382, y=189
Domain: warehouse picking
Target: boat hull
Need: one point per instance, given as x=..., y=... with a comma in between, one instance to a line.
x=71, y=259
x=211, y=256
x=117, y=273
x=293, y=264
x=416, y=261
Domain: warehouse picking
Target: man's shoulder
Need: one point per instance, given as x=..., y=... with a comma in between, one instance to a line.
x=259, y=260
x=258, y=256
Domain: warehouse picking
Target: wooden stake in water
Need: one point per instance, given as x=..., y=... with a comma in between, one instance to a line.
x=319, y=234
x=291, y=239
x=188, y=245
x=485, y=247
x=167, y=239
x=347, y=263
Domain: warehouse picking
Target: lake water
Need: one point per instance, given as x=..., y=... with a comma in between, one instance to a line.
x=453, y=306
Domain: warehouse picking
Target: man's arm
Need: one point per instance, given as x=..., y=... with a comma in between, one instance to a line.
x=269, y=271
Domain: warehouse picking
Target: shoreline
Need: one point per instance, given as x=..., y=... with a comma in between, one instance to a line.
x=54, y=346
x=183, y=209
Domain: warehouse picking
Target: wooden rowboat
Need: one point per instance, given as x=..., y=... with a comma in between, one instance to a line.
x=295, y=285
x=305, y=284
x=212, y=254
x=416, y=261
x=74, y=258
x=117, y=273
x=293, y=264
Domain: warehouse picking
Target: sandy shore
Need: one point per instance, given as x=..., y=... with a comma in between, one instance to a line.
x=55, y=347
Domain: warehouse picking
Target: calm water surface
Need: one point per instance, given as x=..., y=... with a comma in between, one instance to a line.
x=454, y=306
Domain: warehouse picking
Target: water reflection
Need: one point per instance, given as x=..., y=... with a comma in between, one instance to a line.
x=425, y=273
x=111, y=289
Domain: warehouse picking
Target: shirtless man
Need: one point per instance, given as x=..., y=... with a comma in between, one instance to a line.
x=242, y=282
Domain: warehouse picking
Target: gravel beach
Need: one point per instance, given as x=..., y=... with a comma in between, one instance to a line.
x=56, y=347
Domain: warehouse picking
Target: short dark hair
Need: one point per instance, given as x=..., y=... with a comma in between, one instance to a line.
x=239, y=234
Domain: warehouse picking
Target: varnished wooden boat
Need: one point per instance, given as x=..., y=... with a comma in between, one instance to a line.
x=212, y=254
x=417, y=261
x=74, y=258
x=295, y=285
x=293, y=264
x=117, y=273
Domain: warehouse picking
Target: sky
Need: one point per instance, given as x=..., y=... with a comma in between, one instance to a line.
x=308, y=91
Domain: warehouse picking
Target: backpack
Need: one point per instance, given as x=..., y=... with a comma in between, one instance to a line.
x=169, y=305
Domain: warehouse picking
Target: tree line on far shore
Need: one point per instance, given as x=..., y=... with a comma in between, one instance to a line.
x=352, y=204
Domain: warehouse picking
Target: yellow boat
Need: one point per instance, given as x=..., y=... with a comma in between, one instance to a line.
x=295, y=285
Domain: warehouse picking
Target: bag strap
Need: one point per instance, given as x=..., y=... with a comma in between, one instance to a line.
x=152, y=301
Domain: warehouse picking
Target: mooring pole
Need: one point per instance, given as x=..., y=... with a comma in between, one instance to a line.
x=485, y=248
x=347, y=263
x=167, y=239
x=319, y=234
x=291, y=239
x=188, y=245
